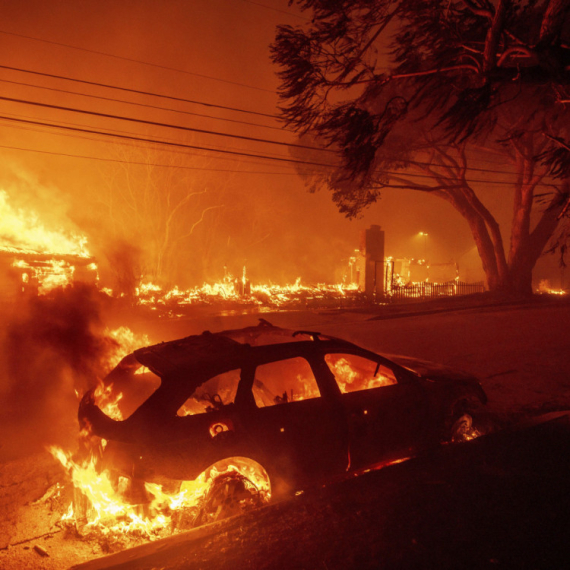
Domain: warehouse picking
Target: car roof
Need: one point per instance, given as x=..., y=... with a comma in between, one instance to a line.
x=208, y=351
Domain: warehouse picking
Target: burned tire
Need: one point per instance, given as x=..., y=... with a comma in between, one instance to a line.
x=463, y=429
x=231, y=494
x=467, y=421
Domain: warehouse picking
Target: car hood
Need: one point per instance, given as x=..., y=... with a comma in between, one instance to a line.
x=429, y=369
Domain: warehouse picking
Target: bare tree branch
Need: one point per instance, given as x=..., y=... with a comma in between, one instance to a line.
x=479, y=10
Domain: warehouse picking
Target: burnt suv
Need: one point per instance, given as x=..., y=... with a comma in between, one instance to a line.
x=301, y=406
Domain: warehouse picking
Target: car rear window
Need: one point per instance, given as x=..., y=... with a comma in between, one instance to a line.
x=217, y=392
x=284, y=381
x=126, y=390
x=354, y=373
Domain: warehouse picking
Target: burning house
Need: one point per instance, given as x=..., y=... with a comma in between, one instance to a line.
x=33, y=273
x=35, y=259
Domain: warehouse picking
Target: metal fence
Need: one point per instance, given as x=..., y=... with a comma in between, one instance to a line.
x=430, y=290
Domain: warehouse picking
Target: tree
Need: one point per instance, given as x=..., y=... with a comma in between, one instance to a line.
x=462, y=75
x=156, y=203
x=177, y=218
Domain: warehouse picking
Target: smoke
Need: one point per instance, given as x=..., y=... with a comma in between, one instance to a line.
x=53, y=348
x=121, y=266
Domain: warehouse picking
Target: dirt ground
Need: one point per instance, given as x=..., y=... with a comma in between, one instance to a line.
x=519, y=351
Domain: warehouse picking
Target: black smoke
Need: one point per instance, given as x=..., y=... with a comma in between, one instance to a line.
x=52, y=349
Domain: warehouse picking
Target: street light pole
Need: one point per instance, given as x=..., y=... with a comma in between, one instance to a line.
x=425, y=244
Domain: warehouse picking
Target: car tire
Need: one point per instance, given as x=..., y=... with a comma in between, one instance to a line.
x=468, y=420
x=231, y=494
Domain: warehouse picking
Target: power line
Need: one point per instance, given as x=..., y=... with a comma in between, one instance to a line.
x=128, y=143
x=157, y=124
x=198, y=103
x=209, y=132
x=141, y=105
x=167, y=143
x=473, y=168
x=250, y=155
x=132, y=60
x=110, y=131
x=145, y=163
x=138, y=92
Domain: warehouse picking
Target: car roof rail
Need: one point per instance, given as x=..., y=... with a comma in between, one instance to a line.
x=313, y=335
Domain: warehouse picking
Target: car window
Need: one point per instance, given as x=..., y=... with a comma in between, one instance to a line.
x=284, y=381
x=354, y=373
x=129, y=390
x=217, y=392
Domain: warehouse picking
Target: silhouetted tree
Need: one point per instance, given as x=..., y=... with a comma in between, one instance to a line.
x=406, y=92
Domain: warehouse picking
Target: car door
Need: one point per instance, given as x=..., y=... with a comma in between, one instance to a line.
x=194, y=431
x=386, y=409
x=301, y=433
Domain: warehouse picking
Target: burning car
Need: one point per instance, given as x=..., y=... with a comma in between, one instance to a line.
x=286, y=409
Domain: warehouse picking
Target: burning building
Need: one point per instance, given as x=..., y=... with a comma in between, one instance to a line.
x=35, y=259
x=30, y=272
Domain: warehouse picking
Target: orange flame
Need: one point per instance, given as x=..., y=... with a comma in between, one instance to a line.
x=108, y=511
x=44, y=256
x=22, y=231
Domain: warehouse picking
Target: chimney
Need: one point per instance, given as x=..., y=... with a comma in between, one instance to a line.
x=371, y=263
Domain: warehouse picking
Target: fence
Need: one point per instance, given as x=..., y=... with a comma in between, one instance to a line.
x=431, y=290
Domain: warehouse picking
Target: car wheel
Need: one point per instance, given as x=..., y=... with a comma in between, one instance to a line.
x=230, y=494
x=467, y=421
x=463, y=429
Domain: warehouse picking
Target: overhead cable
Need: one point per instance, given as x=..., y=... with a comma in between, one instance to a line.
x=132, y=60
x=233, y=171
x=158, y=124
x=98, y=138
x=252, y=155
x=167, y=143
x=157, y=107
x=203, y=103
x=138, y=91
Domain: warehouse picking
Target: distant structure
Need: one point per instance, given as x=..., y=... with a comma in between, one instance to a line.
x=370, y=263
x=33, y=273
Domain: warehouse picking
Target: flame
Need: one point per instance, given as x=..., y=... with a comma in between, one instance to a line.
x=46, y=258
x=105, y=395
x=358, y=374
x=127, y=342
x=101, y=506
x=22, y=231
x=544, y=287
x=103, y=500
x=464, y=430
x=108, y=401
x=240, y=291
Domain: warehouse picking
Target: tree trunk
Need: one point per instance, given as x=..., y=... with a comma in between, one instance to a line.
x=487, y=249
